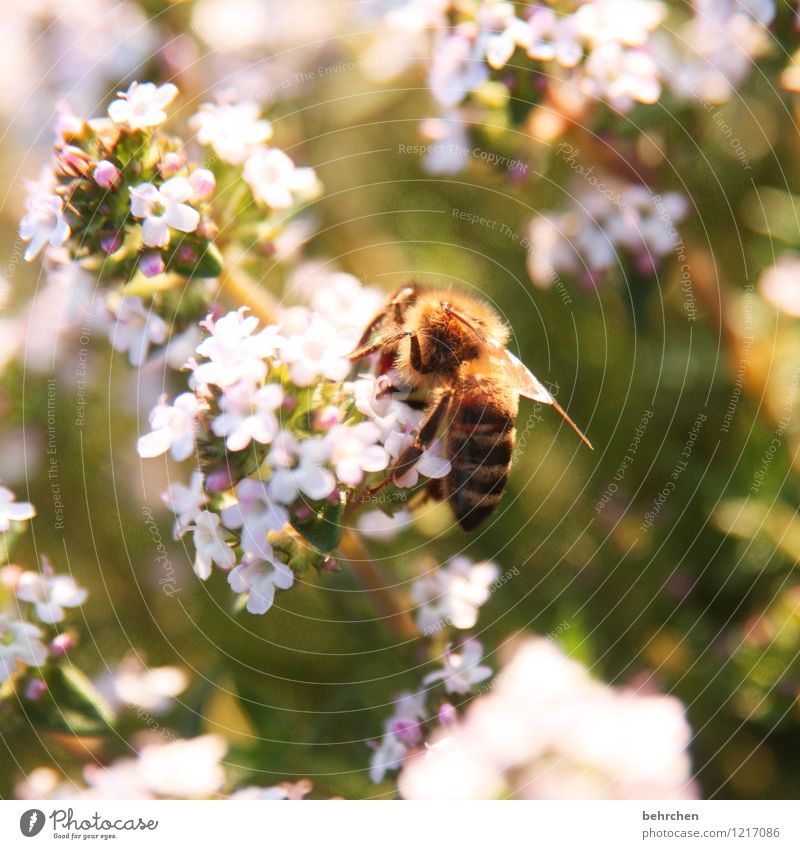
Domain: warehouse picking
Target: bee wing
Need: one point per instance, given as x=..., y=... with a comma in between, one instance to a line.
x=527, y=384
x=521, y=377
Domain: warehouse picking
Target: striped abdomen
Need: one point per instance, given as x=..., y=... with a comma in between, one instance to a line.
x=480, y=441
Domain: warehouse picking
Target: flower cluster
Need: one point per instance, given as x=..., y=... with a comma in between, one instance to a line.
x=492, y=55
x=32, y=604
x=284, y=443
x=127, y=203
x=448, y=599
x=175, y=769
x=607, y=223
x=547, y=730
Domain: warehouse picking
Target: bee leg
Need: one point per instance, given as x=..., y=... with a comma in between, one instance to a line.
x=416, y=357
x=430, y=427
x=381, y=342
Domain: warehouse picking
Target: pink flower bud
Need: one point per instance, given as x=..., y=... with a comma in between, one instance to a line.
x=447, y=714
x=62, y=644
x=171, y=164
x=304, y=512
x=106, y=174
x=10, y=575
x=187, y=254
x=68, y=126
x=327, y=417
x=289, y=403
x=203, y=183
x=329, y=564
x=111, y=243
x=407, y=731
x=35, y=689
x=219, y=481
x=151, y=264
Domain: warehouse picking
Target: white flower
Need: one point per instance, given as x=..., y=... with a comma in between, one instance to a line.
x=50, y=593
x=450, y=149
x=132, y=684
x=308, y=476
x=248, y=414
x=461, y=670
x=135, y=329
x=500, y=46
x=43, y=223
x=20, y=642
x=234, y=351
x=337, y=296
x=275, y=180
x=234, y=130
x=316, y=349
x=780, y=284
x=553, y=38
x=185, y=769
x=375, y=524
x=174, y=427
x=256, y=514
x=12, y=510
x=283, y=791
x=142, y=105
x=186, y=502
x=162, y=208
x=402, y=731
x=355, y=450
x=546, y=730
x=622, y=75
x=453, y=594
x=457, y=68
x=259, y=578
x=210, y=546
x=627, y=22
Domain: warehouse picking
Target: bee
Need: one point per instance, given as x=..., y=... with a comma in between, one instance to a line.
x=452, y=347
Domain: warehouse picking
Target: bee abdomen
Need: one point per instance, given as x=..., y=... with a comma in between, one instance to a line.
x=480, y=457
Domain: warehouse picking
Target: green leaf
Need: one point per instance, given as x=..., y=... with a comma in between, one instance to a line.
x=71, y=703
x=324, y=528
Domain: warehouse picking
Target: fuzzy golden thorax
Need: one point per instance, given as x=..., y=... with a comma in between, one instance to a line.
x=451, y=329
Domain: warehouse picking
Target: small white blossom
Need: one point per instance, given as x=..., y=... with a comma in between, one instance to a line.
x=20, y=643
x=184, y=769
x=256, y=514
x=457, y=68
x=132, y=684
x=780, y=284
x=210, y=546
x=135, y=329
x=355, y=450
x=402, y=731
x=12, y=510
x=43, y=223
x=248, y=414
x=308, y=475
x=164, y=207
x=186, y=502
x=174, y=428
x=316, y=349
x=234, y=351
x=453, y=594
x=259, y=578
x=49, y=593
x=461, y=670
x=275, y=180
x=234, y=130
x=142, y=105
